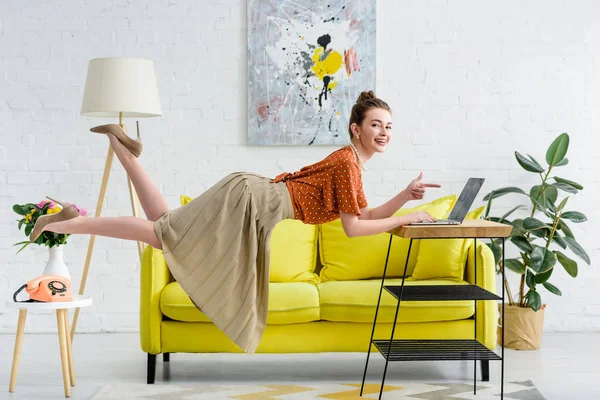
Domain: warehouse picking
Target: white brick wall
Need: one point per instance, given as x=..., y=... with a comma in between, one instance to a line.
x=469, y=82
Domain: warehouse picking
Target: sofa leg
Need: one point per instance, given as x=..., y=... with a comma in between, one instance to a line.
x=166, y=357
x=151, y=368
x=485, y=370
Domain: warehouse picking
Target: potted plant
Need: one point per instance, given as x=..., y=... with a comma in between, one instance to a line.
x=30, y=212
x=541, y=239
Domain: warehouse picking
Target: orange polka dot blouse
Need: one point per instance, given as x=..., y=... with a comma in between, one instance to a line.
x=321, y=190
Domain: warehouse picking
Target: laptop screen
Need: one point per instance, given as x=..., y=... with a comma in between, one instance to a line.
x=466, y=198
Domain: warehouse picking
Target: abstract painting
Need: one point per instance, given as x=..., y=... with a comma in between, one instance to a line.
x=308, y=61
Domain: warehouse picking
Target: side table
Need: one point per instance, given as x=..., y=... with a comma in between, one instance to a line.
x=64, y=339
x=464, y=349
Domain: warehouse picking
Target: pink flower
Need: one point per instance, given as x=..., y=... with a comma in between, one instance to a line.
x=41, y=203
x=82, y=211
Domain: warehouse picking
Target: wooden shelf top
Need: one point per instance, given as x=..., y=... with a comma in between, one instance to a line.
x=470, y=228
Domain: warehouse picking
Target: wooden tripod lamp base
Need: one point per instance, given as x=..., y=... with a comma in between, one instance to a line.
x=127, y=85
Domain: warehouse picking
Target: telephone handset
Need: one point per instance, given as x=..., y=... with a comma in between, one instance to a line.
x=47, y=288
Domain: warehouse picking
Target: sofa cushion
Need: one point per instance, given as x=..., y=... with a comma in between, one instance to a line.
x=293, y=247
x=444, y=258
x=363, y=257
x=289, y=303
x=293, y=252
x=356, y=301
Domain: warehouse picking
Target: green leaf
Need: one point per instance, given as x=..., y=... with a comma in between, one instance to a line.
x=527, y=164
x=568, y=182
x=552, y=289
x=536, y=194
x=562, y=204
x=574, y=216
x=496, y=250
x=536, y=227
x=534, y=300
x=537, y=202
x=550, y=194
x=526, y=259
x=19, y=210
x=27, y=208
x=577, y=249
x=557, y=150
x=518, y=228
x=562, y=225
x=535, y=162
x=511, y=211
x=551, y=205
x=559, y=240
x=561, y=163
x=28, y=229
x=25, y=245
x=530, y=279
x=522, y=243
x=565, y=187
x=569, y=265
x=542, y=259
x=501, y=192
x=543, y=276
x=515, y=265
x=549, y=214
x=549, y=261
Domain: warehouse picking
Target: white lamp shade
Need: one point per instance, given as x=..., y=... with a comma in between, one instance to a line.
x=120, y=85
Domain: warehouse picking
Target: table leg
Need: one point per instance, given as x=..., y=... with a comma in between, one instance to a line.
x=62, y=339
x=17, y=351
x=69, y=349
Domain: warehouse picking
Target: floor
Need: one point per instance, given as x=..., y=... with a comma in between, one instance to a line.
x=565, y=367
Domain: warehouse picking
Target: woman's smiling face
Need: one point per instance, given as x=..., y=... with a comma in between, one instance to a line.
x=375, y=132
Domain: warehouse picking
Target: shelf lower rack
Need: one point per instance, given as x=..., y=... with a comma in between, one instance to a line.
x=422, y=350
x=441, y=292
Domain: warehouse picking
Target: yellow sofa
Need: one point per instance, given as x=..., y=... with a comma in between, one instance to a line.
x=323, y=293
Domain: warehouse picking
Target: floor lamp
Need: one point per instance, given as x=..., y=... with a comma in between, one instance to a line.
x=117, y=88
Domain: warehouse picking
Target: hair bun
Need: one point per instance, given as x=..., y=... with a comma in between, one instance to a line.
x=366, y=96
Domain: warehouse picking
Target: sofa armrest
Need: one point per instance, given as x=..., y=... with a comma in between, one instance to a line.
x=154, y=277
x=487, y=310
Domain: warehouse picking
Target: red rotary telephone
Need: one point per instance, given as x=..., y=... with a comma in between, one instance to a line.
x=47, y=288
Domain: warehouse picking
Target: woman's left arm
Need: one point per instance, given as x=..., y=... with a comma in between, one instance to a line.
x=385, y=210
x=414, y=191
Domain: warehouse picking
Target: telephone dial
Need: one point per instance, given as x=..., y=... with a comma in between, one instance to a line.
x=46, y=288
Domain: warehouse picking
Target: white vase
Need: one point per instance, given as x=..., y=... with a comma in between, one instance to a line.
x=56, y=263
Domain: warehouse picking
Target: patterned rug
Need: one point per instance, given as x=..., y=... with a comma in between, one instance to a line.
x=313, y=390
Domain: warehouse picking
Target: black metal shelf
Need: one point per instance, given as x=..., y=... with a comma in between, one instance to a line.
x=436, y=349
x=422, y=350
x=441, y=292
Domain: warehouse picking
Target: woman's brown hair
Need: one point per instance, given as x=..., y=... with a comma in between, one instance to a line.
x=365, y=102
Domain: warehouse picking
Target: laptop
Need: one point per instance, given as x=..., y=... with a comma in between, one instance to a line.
x=461, y=208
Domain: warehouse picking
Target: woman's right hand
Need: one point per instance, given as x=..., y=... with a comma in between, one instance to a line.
x=420, y=216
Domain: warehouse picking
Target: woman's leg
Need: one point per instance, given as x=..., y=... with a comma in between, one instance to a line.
x=130, y=228
x=152, y=201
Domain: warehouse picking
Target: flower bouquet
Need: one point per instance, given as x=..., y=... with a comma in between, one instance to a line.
x=30, y=212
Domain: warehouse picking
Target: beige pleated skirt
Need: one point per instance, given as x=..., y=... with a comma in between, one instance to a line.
x=217, y=248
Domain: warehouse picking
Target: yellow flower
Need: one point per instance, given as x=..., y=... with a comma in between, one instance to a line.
x=53, y=210
x=28, y=217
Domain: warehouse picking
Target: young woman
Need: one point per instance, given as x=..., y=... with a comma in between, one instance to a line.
x=217, y=245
